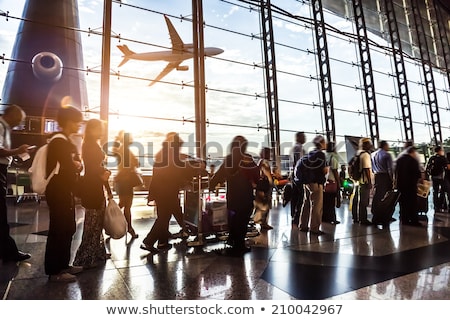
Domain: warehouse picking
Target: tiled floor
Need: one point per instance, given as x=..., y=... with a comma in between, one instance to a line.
x=349, y=262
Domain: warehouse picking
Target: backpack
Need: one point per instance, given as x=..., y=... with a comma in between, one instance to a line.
x=432, y=169
x=354, y=167
x=302, y=171
x=38, y=169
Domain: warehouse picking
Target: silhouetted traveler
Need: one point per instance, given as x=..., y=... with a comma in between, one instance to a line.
x=241, y=174
x=13, y=115
x=407, y=175
x=60, y=197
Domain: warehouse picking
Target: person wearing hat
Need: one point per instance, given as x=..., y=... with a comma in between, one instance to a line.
x=59, y=195
x=364, y=184
x=171, y=172
x=407, y=175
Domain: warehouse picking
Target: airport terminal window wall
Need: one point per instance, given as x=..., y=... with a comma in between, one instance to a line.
x=235, y=95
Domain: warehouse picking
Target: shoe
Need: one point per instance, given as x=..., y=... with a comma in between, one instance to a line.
x=304, y=229
x=164, y=246
x=365, y=223
x=149, y=248
x=236, y=251
x=73, y=270
x=335, y=222
x=19, y=256
x=62, y=277
x=318, y=233
x=180, y=234
x=265, y=226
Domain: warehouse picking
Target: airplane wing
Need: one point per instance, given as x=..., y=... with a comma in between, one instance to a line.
x=166, y=70
x=177, y=43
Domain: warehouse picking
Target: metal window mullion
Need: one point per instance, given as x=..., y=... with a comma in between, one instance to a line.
x=443, y=40
x=324, y=69
x=427, y=72
x=366, y=69
x=271, y=78
x=400, y=71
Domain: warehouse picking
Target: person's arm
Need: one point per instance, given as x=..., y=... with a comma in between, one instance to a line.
x=4, y=152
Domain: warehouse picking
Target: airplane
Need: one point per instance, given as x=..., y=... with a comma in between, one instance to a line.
x=180, y=52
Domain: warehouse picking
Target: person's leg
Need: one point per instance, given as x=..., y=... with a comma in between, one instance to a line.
x=441, y=199
x=8, y=248
x=127, y=201
x=435, y=194
x=61, y=229
x=317, y=206
x=241, y=220
x=355, y=204
x=295, y=212
x=306, y=210
x=364, y=203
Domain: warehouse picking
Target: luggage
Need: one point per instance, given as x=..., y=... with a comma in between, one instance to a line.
x=382, y=212
x=422, y=204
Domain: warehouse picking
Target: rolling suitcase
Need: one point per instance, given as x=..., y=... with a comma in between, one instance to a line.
x=382, y=212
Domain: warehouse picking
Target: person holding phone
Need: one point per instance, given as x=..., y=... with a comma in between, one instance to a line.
x=12, y=116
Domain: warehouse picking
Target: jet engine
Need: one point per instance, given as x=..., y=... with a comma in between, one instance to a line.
x=183, y=68
x=47, y=66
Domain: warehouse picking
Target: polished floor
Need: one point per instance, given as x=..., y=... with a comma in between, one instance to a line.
x=348, y=262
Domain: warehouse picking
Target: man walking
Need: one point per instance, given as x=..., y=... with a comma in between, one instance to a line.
x=436, y=169
x=382, y=167
x=313, y=207
x=407, y=174
x=297, y=190
x=364, y=183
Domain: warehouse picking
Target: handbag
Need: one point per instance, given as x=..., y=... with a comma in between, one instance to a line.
x=115, y=224
x=423, y=188
x=330, y=186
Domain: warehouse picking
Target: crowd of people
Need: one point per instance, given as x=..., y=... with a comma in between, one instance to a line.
x=249, y=187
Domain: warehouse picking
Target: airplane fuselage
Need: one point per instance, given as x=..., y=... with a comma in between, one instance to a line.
x=172, y=56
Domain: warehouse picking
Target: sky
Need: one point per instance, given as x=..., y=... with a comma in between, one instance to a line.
x=235, y=88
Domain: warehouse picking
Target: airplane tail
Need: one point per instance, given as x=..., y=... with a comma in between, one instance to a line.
x=127, y=53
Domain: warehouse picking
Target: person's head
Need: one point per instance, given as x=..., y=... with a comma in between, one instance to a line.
x=411, y=151
x=13, y=115
x=365, y=144
x=439, y=150
x=173, y=140
x=300, y=137
x=69, y=119
x=123, y=136
x=384, y=145
x=343, y=167
x=94, y=129
x=239, y=143
x=408, y=143
x=265, y=153
x=212, y=168
x=319, y=142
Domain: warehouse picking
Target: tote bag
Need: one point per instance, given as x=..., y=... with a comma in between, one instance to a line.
x=115, y=224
